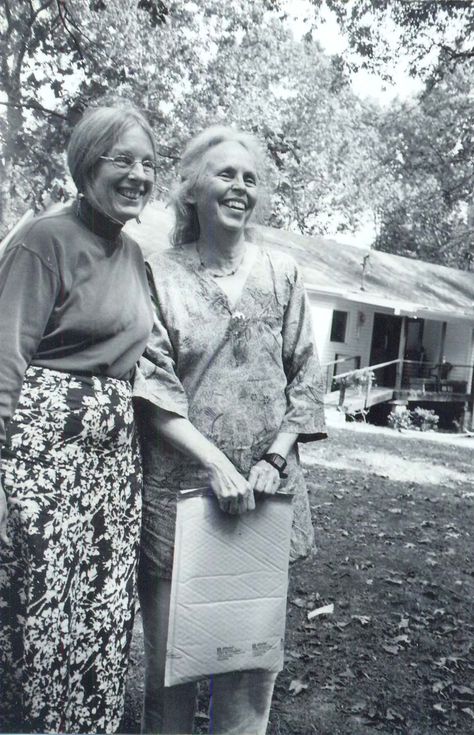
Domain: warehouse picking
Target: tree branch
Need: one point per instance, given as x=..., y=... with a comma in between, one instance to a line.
x=456, y=55
x=7, y=12
x=34, y=106
x=62, y=12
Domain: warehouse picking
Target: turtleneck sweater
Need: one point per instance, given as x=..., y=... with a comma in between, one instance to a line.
x=73, y=297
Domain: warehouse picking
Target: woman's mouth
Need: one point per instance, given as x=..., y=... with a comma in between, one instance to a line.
x=236, y=204
x=132, y=194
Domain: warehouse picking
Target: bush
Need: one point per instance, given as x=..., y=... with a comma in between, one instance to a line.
x=421, y=419
x=400, y=419
x=424, y=419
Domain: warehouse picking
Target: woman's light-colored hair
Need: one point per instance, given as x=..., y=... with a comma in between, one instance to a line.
x=94, y=136
x=186, y=228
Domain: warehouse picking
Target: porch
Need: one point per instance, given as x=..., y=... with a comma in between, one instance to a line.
x=404, y=381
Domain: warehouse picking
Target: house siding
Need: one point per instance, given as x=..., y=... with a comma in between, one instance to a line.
x=358, y=338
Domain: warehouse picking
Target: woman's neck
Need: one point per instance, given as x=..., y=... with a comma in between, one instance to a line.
x=100, y=223
x=223, y=251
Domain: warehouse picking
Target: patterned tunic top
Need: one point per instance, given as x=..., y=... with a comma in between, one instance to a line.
x=240, y=374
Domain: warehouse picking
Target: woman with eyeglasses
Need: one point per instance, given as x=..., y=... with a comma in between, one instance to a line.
x=75, y=318
x=229, y=385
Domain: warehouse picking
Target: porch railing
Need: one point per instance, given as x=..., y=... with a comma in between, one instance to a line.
x=409, y=375
x=367, y=376
x=332, y=364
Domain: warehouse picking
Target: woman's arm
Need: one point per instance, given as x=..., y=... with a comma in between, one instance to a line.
x=230, y=487
x=28, y=289
x=28, y=292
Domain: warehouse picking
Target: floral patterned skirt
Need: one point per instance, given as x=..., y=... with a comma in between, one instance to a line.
x=72, y=477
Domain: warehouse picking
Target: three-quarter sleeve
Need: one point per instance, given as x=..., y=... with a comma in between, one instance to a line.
x=304, y=392
x=29, y=287
x=156, y=380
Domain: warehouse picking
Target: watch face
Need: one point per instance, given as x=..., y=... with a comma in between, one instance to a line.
x=277, y=460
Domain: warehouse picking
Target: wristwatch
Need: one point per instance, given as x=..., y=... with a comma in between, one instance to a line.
x=276, y=461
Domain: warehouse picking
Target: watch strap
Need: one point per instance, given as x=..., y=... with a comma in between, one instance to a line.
x=276, y=461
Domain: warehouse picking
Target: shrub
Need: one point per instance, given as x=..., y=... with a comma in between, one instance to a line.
x=400, y=419
x=424, y=419
x=421, y=419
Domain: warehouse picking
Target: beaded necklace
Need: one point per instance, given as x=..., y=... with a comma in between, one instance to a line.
x=222, y=275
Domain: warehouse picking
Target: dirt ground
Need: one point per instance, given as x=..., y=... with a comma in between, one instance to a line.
x=394, y=520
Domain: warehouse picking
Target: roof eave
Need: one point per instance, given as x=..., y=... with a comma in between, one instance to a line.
x=397, y=307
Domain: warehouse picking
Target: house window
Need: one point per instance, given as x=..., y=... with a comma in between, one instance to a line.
x=338, y=326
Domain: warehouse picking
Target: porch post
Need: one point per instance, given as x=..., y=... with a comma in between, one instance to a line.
x=401, y=352
x=444, y=326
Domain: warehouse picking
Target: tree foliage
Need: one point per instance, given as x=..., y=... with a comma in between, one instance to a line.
x=186, y=65
x=426, y=153
x=331, y=157
x=434, y=35
x=56, y=55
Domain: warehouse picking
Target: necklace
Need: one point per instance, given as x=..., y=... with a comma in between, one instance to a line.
x=222, y=275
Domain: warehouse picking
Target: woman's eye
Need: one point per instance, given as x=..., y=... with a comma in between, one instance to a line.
x=250, y=181
x=225, y=175
x=123, y=160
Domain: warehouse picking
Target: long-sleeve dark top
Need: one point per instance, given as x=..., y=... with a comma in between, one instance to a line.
x=73, y=297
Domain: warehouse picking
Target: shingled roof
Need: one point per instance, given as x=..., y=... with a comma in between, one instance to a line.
x=404, y=285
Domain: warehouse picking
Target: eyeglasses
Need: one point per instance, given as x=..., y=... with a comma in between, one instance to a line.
x=126, y=163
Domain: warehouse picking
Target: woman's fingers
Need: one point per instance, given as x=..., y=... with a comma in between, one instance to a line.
x=231, y=488
x=264, y=478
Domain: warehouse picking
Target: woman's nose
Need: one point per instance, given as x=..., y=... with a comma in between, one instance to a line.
x=238, y=182
x=137, y=172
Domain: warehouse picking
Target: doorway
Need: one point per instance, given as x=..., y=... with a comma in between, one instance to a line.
x=385, y=346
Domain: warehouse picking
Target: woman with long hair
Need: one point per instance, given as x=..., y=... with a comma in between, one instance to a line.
x=229, y=384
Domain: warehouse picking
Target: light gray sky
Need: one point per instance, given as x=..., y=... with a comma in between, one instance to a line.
x=333, y=41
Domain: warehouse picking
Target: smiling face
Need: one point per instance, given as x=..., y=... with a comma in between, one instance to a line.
x=227, y=190
x=119, y=193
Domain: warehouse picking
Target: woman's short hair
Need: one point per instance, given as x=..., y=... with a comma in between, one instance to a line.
x=186, y=228
x=95, y=134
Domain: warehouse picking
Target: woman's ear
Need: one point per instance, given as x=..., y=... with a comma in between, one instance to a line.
x=189, y=194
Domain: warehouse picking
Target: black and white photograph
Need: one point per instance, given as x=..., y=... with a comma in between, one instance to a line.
x=237, y=367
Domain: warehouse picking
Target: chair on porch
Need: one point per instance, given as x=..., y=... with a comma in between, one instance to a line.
x=440, y=374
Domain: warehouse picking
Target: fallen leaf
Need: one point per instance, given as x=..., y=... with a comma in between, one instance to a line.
x=401, y=639
x=391, y=649
x=324, y=610
x=362, y=619
x=463, y=691
x=392, y=714
x=297, y=686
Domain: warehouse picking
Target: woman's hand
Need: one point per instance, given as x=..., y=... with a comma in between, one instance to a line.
x=264, y=478
x=232, y=490
x=3, y=515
